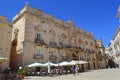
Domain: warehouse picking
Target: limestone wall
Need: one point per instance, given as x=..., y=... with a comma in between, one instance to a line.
x=5, y=40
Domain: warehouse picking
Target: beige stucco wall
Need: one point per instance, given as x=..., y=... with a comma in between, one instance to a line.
x=5, y=41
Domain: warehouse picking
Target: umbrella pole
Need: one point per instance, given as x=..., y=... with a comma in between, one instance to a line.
x=48, y=68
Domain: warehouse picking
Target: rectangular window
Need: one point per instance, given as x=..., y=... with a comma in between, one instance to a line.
x=52, y=39
x=38, y=52
x=38, y=36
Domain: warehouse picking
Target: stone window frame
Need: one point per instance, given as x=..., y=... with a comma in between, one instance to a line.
x=80, y=42
x=52, y=34
x=63, y=38
x=37, y=53
x=86, y=42
x=73, y=42
x=52, y=55
x=38, y=36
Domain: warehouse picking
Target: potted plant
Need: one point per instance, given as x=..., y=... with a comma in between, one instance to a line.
x=21, y=73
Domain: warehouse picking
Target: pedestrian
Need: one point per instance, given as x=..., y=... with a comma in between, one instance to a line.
x=77, y=69
x=73, y=69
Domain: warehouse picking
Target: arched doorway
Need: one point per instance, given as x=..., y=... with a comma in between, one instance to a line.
x=74, y=56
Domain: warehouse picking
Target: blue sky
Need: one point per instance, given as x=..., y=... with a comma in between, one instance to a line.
x=96, y=16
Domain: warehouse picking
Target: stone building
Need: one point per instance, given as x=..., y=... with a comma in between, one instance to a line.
x=5, y=41
x=101, y=57
x=40, y=38
x=113, y=49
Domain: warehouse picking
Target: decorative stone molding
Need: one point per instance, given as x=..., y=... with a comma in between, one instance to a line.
x=39, y=42
x=38, y=57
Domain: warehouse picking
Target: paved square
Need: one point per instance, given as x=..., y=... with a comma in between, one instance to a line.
x=102, y=74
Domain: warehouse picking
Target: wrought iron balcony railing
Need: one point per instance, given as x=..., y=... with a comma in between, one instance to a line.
x=53, y=44
x=39, y=41
x=52, y=57
x=38, y=57
x=62, y=45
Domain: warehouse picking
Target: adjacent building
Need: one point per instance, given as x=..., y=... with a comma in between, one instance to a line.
x=5, y=41
x=113, y=49
x=101, y=57
x=38, y=37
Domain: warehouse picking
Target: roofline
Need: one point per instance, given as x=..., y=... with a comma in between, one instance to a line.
x=118, y=29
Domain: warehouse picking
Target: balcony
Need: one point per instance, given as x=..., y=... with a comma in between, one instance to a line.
x=87, y=50
x=38, y=57
x=39, y=41
x=53, y=44
x=52, y=57
x=62, y=45
x=68, y=46
x=117, y=52
x=116, y=41
x=71, y=46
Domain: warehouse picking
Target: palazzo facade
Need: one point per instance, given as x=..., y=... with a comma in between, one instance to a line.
x=40, y=37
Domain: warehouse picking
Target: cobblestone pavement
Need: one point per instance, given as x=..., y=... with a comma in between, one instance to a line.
x=101, y=74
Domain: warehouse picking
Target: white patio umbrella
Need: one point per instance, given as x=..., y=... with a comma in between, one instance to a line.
x=78, y=62
x=74, y=62
x=65, y=63
x=48, y=64
x=36, y=64
x=82, y=62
